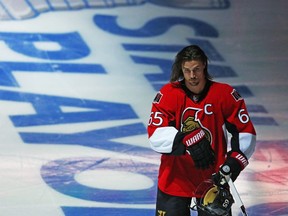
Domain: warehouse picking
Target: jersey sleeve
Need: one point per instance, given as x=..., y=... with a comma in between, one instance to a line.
x=161, y=126
x=238, y=122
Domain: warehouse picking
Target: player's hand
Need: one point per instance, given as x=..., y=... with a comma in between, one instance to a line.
x=199, y=148
x=234, y=164
x=220, y=180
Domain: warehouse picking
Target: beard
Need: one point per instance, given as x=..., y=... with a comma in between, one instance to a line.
x=193, y=82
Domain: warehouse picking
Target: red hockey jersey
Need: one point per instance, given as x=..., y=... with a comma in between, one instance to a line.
x=175, y=110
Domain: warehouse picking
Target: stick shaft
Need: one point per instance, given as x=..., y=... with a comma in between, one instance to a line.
x=237, y=197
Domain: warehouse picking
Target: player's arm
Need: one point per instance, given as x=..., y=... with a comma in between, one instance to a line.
x=168, y=140
x=243, y=135
x=162, y=132
x=162, y=129
x=240, y=126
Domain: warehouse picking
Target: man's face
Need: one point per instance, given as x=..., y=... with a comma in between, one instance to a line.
x=194, y=76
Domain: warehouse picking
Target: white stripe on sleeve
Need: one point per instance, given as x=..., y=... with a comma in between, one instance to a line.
x=247, y=142
x=162, y=139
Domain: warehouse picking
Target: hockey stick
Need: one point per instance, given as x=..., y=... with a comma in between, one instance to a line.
x=237, y=196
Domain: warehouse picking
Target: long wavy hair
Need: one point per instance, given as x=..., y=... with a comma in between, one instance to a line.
x=189, y=53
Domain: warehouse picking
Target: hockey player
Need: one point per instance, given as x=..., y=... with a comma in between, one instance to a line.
x=188, y=125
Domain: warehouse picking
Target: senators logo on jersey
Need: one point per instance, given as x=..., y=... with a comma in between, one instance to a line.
x=190, y=122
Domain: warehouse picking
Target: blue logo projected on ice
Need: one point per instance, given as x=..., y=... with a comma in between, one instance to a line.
x=60, y=174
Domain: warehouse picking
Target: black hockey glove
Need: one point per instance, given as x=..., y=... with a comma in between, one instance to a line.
x=199, y=148
x=234, y=164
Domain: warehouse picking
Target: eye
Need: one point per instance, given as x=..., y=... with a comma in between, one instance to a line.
x=186, y=70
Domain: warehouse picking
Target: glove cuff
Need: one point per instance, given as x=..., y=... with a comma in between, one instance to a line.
x=240, y=158
x=194, y=137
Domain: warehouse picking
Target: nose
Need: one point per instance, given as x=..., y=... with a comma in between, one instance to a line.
x=192, y=74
